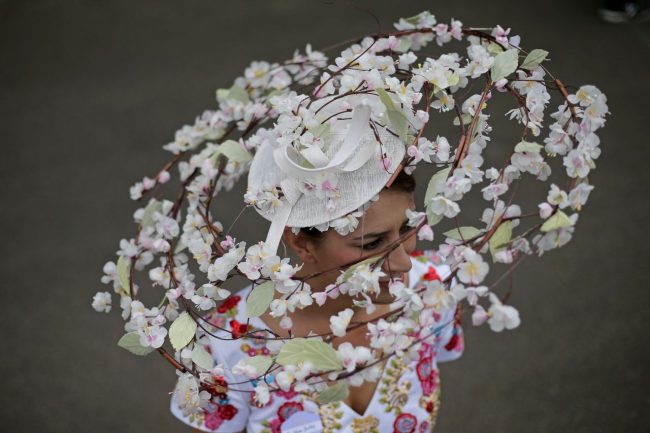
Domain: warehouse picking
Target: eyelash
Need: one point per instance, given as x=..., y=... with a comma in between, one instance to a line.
x=374, y=244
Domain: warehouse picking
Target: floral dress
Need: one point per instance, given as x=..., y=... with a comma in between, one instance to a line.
x=406, y=399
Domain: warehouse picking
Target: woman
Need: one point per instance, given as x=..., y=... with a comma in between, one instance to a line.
x=405, y=396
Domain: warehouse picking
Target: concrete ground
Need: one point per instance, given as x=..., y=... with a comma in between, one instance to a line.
x=92, y=89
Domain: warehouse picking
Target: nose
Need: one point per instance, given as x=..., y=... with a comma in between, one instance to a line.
x=398, y=262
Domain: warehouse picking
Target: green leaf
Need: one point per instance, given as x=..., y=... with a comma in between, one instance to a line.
x=464, y=232
x=238, y=93
x=505, y=63
x=201, y=357
x=222, y=94
x=435, y=184
x=272, y=93
x=403, y=45
x=558, y=220
x=369, y=261
x=527, y=146
x=500, y=238
x=300, y=350
x=399, y=122
x=452, y=79
x=336, y=392
x=182, y=331
x=414, y=20
x=123, y=265
x=534, y=58
x=495, y=48
x=259, y=299
x=234, y=151
x=385, y=98
x=180, y=246
x=131, y=342
x=321, y=131
x=433, y=219
x=149, y=211
x=466, y=118
x=410, y=138
x=260, y=362
x=395, y=115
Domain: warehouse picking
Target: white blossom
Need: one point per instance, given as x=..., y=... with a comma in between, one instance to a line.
x=340, y=322
x=388, y=336
x=479, y=316
x=219, y=269
x=502, y=316
x=262, y=395
x=352, y=357
x=473, y=269
x=579, y=194
x=102, y=302
x=152, y=335
x=437, y=297
x=187, y=396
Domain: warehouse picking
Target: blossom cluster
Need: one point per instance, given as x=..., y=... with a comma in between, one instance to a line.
x=298, y=105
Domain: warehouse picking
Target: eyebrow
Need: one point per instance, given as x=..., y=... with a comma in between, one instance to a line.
x=377, y=234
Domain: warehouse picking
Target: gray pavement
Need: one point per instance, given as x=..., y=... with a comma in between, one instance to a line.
x=90, y=92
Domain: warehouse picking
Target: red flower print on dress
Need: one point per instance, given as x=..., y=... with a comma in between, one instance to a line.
x=213, y=420
x=287, y=409
x=229, y=303
x=427, y=374
x=276, y=425
x=287, y=394
x=219, y=387
x=454, y=341
x=405, y=423
x=237, y=328
x=227, y=411
x=431, y=274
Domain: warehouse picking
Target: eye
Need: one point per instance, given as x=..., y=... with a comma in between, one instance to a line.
x=371, y=245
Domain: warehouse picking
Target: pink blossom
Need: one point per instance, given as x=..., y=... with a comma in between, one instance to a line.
x=386, y=162
x=425, y=233
x=163, y=176
x=227, y=243
x=501, y=34
x=148, y=183
x=479, y=316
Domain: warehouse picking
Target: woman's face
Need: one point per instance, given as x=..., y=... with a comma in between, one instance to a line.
x=384, y=222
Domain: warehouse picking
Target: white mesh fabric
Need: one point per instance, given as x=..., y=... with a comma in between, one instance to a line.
x=356, y=187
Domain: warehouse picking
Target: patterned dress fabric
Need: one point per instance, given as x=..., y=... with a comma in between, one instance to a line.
x=406, y=399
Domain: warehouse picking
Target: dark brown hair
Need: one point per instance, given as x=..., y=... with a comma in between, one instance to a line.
x=403, y=182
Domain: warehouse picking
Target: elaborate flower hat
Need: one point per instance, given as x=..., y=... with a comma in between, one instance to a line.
x=315, y=178
x=318, y=142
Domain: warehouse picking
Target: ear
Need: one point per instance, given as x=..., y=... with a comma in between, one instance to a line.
x=299, y=244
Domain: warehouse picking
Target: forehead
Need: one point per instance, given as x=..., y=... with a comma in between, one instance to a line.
x=386, y=212
x=389, y=199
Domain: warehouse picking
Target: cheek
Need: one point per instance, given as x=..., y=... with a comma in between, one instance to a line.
x=337, y=254
x=410, y=243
